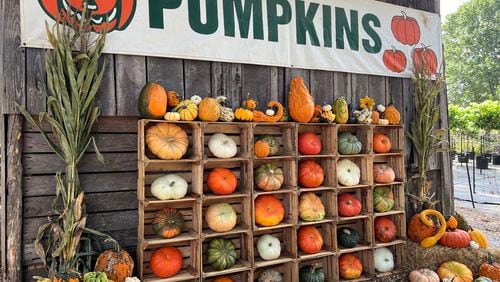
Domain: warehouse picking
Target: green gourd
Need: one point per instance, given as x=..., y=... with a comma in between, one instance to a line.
x=274, y=145
x=311, y=273
x=270, y=275
x=347, y=237
x=383, y=199
x=221, y=254
x=349, y=144
x=341, y=111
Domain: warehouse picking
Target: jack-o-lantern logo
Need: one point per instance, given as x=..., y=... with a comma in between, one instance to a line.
x=104, y=14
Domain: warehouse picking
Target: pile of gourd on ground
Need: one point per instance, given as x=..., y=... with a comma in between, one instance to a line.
x=451, y=232
x=169, y=141
x=157, y=103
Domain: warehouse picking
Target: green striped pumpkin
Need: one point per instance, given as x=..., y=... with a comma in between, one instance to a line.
x=349, y=144
x=347, y=237
x=221, y=254
x=383, y=199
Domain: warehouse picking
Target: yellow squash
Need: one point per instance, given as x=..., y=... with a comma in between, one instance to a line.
x=431, y=241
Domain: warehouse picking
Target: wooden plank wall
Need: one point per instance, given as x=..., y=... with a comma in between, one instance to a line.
x=111, y=190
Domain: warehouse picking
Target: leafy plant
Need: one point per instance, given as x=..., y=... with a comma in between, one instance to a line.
x=73, y=79
x=425, y=138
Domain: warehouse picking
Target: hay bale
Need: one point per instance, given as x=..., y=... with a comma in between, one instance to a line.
x=418, y=257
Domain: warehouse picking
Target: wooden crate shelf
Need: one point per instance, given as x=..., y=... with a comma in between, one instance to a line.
x=198, y=162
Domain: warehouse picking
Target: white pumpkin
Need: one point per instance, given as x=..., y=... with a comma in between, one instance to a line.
x=196, y=99
x=172, y=116
x=474, y=245
x=269, y=247
x=384, y=260
x=132, y=279
x=169, y=187
x=348, y=173
x=222, y=146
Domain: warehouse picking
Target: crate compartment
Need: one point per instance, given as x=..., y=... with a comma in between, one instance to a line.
x=365, y=165
x=362, y=132
x=398, y=252
x=239, y=132
x=190, y=211
x=399, y=220
x=328, y=264
x=366, y=257
x=190, y=268
x=327, y=232
x=364, y=195
x=193, y=130
x=245, y=276
x=394, y=162
x=287, y=271
x=243, y=246
x=325, y=132
x=289, y=201
x=364, y=228
x=284, y=132
x=243, y=171
x=398, y=193
x=395, y=134
x=288, y=246
x=328, y=165
x=189, y=171
x=242, y=207
x=288, y=166
x=329, y=200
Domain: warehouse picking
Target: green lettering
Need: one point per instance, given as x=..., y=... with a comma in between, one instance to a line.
x=156, y=11
x=252, y=7
x=194, y=11
x=377, y=42
x=273, y=20
x=351, y=31
x=327, y=25
x=305, y=23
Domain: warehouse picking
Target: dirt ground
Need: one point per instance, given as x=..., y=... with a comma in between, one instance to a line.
x=484, y=217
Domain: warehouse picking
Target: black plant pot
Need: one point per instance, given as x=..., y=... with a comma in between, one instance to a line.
x=470, y=155
x=496, y=160
x=482, y=163
x=488, y=156
x=463, y=158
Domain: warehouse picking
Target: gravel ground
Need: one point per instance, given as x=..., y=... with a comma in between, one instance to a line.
x=484, y=217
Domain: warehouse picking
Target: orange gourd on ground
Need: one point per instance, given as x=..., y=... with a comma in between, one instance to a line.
x=222, y=181
x=167, y=141
x=454, y=270
x=166, y=262
x=309, y=239
x=350, y=266
x=261, y=149
x=300, y=101
x=381, y=143
x=269, y=211
x=152, y=102
x=117, y=265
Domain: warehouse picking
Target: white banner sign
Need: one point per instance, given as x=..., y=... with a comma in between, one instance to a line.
x=359, y=36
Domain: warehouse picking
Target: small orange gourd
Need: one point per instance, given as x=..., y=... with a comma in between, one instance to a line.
x=375, y=117
x=259, y=116
x=392, y=114
x=261, y=149
x=173, y=99
x=300, y=101
x=451, y=222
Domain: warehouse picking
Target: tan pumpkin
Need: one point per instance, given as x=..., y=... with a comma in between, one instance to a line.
x=311, y=207
x=209, y=109
x=456, y=271
x=173, y=99
x=300, y=101
x=221, y=217
x=261, y=149
x=392, y=114
x=172, y=116
x=423, y=275
x=167, y=141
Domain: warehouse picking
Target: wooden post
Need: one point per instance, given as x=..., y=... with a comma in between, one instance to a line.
x=14, y=198
x=2, y=195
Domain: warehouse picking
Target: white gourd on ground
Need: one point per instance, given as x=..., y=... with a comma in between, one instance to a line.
x=169, y=187
x=268, y=247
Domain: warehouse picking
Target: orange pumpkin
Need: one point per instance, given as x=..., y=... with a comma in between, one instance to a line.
x=300, y=101
x=311, y=174
x=455, y=239
x=261, y=149
x=451, y=222
x=490, y=269
x=222, y=181
x=249, y=104
x=454, y=270
x=173, y=99
x=350, y=266
x=309, y=239
x=167, y=141
x=269, y=211
x=418, y=231
x=381, y=143
x=383, y=173
x=392, y=114
x=117, y=265
x=166, y=262
x=223, y=279
x=152, y=102
x=259, y=116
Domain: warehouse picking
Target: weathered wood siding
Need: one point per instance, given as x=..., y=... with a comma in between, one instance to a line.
x=111, y=196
